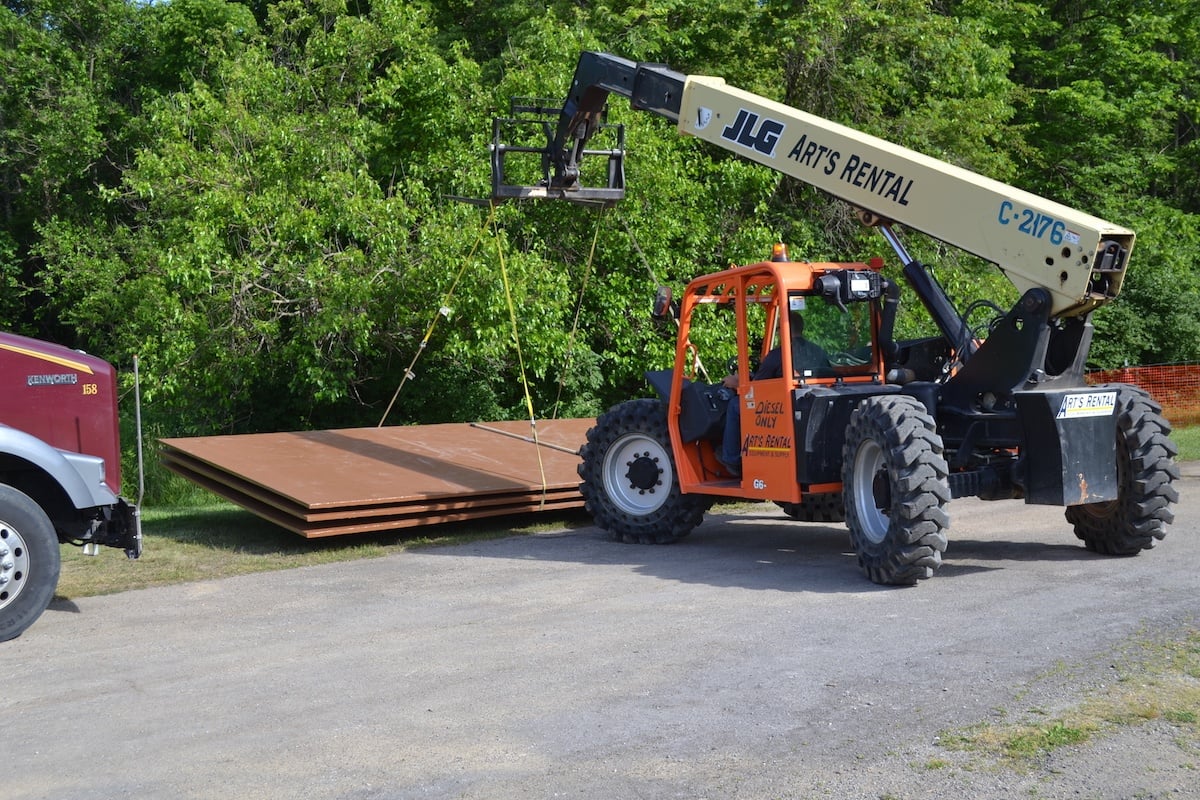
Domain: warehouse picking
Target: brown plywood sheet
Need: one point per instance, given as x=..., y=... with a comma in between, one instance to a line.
x=326, y=483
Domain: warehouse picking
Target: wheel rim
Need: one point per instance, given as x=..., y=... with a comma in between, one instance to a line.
x=14, y=563
x=638, y=474
x=871, y=488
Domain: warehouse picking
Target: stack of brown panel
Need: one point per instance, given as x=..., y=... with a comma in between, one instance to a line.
x=329, y=483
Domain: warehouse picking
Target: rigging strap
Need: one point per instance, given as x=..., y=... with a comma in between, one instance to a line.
x=512, y=315
x=443, y=311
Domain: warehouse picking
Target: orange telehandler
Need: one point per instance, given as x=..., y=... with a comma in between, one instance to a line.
x=884, y=433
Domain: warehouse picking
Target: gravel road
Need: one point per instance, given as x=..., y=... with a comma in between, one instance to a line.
x=751, y=660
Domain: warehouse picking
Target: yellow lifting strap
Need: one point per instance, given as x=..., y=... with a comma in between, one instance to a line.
x=512, y=315
x=443, y=311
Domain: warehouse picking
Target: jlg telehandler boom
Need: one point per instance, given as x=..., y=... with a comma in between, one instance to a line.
x=878, y=432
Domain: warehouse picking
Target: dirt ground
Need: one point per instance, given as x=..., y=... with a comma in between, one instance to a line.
x=751, y=660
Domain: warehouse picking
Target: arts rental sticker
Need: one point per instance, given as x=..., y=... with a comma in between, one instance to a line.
x=1094, y=404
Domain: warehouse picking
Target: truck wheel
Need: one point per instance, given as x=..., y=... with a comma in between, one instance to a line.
x=826, y=507
x=29, y=562
x=630, y=486
x=1146, y=470
x=895, y=480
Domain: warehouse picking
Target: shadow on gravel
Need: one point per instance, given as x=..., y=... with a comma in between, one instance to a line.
x=63, y=604
x=998, y=550
x=745, y=550
x=759, y=551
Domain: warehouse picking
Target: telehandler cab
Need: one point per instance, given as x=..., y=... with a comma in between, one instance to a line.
x=886, y=432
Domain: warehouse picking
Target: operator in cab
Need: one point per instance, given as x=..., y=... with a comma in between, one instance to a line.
x=807, y=355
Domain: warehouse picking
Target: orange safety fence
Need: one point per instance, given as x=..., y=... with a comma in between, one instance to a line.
x=1175, y=386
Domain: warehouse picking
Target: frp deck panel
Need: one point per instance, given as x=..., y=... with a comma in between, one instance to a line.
x=324, y=483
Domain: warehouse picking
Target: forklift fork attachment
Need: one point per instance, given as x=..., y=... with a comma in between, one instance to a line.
x=528, y=134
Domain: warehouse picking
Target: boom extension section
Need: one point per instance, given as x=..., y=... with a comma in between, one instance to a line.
x=1078, y=259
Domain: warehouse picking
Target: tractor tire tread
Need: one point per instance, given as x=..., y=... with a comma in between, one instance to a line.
x=674, y=517
x=1146, y=470
x=917, y=519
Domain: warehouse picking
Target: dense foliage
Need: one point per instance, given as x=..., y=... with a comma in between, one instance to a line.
x=258, y=199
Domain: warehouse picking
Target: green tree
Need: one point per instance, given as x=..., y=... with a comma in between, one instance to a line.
x=1109, y=112
x=261, y=252
x=59, y=75
x=258, y=198
x=186, y=39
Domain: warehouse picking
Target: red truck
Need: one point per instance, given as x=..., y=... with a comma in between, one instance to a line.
x=60, y=471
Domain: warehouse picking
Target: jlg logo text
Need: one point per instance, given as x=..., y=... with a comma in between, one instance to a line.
x=757, y=133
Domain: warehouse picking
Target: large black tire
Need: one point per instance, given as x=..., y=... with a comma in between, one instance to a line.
x=29, y=562
x=827, y=507
x=1146, y=472
x=895, y=481
x=630, y=485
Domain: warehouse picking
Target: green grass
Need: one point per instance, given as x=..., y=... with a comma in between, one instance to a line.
x=1156, y=681
x=1034, y=741
x=1188, y=442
